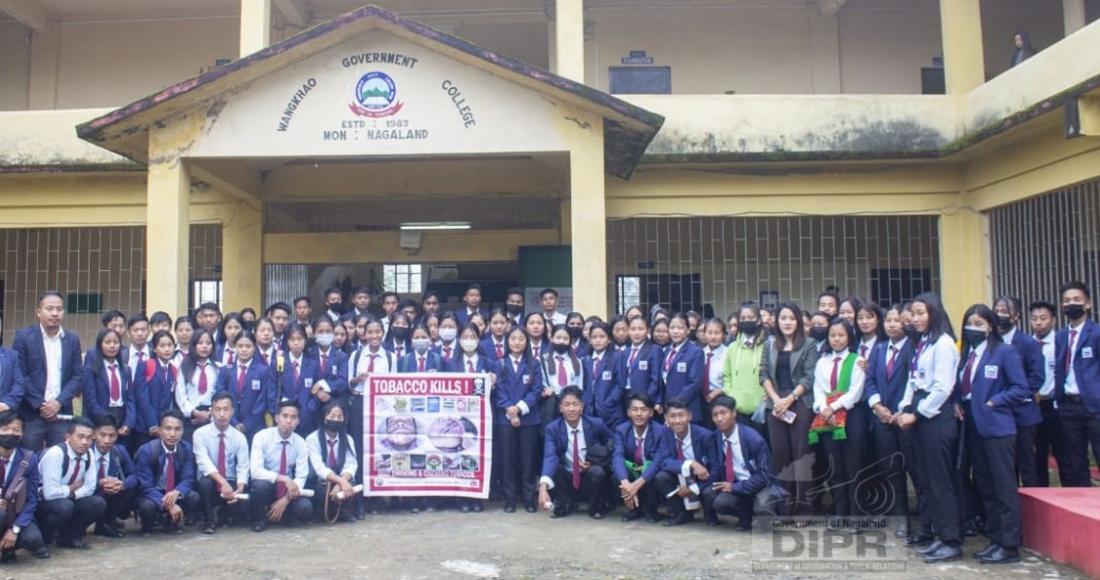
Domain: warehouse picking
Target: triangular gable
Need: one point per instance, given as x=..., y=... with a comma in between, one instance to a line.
x=252, y=96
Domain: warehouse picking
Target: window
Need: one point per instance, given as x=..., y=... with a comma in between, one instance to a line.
x=402, y=278
x=205, y=291
x=641, y=80
x=628, y=292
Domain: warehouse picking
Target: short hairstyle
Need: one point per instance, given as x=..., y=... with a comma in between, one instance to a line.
x=135, y=319
x=303, y=299
x=396, y=297
x=211, y=306
x=573, y=391
x=110, y=315
x=546, y=291
x=287, y=403
x=106, y=420
x=1075, y=285
x=361, y=290
x=642, y=398
x=1043, y=305
x=514, y=290
x=677, y=403
x=8, y=417
x=80, y=422
x=171, y=414
x=160, y=317
x=49, y=293
x=278, y=306
x=724, y=401
x=222, y=396
x=474, y=286
x=332, y=290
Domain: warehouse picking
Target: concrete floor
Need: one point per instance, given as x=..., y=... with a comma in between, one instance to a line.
x=454, y=545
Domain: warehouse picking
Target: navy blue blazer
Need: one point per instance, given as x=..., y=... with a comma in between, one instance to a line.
x=658, y=447
x=890, y=387
x=557, y=442
x=12, y=381
x=1086, y=365
x=645, y=374
x=97, y=391
x=154, y=393
x=250, y=404
x=32, y=355
x=33, y=480
x=684, y=378
x=309, y=407
x=1000, y=379
x=513, y=386
x=150, y=463
x=464, y=317
x=603, y=388
x=433, y=363
x=488, y=348
x=701, y=442
x=120, y=466
x=1027, y=413
x=582, y=349
x=455, y=349
x=757, y=456
x=336, y=375
x=484, y=364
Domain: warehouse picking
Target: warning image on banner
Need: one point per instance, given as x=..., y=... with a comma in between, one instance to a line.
x=428, y=434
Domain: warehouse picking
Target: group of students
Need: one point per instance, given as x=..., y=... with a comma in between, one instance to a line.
x=650, y=410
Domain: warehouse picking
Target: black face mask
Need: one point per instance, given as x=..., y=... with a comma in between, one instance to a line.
x=514, y=309
x=560, y=348
x=574, y=332
x=1073, y=311
x=911, y=332
x=10, y=441
x=974, y=337
x=1004, y=323
x=748, y=328
x=334, y=426
x=819, y=333
x=399, y=332
x=336, y=307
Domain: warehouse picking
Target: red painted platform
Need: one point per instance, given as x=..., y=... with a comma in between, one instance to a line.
x=1064, y=524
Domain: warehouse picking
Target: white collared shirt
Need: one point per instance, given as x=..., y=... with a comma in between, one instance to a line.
x=381, y=364
x=1047, y=343
x=740, y=468
x=865, y=346
x=267, y=447
x=574, y=379
x=716, y=377
x=107, y=368
x=132, y=361
x=823, y=373
x=54, y=354
x=935, y=372
x=318, y=456
x=205, y=441
x=1071, y=375
x=188, y=397
x=567, y=461
x=55, y=482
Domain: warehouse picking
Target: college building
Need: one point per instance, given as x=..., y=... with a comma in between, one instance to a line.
x=695, y=153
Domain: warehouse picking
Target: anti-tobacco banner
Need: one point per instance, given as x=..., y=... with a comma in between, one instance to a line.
x=428, y=434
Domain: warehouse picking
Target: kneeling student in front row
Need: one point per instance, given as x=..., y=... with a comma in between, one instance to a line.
x=567, y=472
x=19, y=480
x=742, y=466
x=116, y=476
x=221, y=455
x=166, y=474
x=333, y=460
x=68, y=502
x=687, y=469
x=280, y=465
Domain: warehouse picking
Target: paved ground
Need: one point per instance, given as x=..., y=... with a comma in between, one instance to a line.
x=454, y=545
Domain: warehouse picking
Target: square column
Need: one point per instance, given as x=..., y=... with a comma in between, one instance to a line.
x=255, y=25
x=567, y=40
x=588, y=222
x=965, y=265
x=242, y=258
x=963, y=54
x=167, y=236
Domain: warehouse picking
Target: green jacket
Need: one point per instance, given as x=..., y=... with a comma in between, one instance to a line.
x=742, y=374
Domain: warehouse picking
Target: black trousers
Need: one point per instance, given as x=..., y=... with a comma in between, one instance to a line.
x=650, y=497
x=29, y=539
x=1080, y=429
x=994, y=461
x=1025, y=455
x=667, y=483
x=727, y=503
x=151, y=513
x=118, y=504
x=593, y=483
x=210, y=499
x=67, y=520
x=518, y=466
x=1049, y=441
x=937, y=447
x=893, y=460
x=793, y=456
x=37, y=433
x=263, y=495
x=843, y=467
x=968, y=498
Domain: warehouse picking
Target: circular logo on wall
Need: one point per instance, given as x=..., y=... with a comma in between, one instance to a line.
x=375, y=96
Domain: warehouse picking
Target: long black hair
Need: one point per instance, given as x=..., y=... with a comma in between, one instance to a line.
x=97, y=356
x=341, y=433
x=187, y=367
x=938, y=322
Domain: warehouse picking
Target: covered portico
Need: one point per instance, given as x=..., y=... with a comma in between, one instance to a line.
x=374, y=109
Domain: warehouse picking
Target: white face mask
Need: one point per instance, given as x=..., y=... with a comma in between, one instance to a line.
x=323, y=339
x=469, y=345
x=420, y=345
x=448, y=334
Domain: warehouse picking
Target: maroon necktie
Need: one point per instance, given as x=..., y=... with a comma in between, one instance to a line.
x=331, y=453
x=297, y=374
x=890, y=361
x=966, y=373
x=447, y=353
x=420, y=364
x=500, y=350
x=76, y=472
x=221, y=454
x=280, y=486
x=679, y=449
x=469, y=366
x=731, y=476
x=398, y=350
x=633, y=356
x=263, y=356
x=102, y=468
x=537, y=348
x=203, y=386
x=116, y=386
x=576, y=461
x=240, y=381
x=836, y=371
x=1069, y=349
x=706, y=371
x=170, y=473
x=639, y=455
x=668, y=361
x=324, y=364
x=863, y=351
x=562, y=379
x=3, y=472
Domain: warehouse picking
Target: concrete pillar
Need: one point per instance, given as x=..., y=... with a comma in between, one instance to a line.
x=963, y=55
x=825, y=52
x=42, y=84
x=567, y=44
x=965, y=265
x=565, y=215
x=242, y=258
x=168, y=227
x=588, y=222
x=1073, y=15
x=255, y=25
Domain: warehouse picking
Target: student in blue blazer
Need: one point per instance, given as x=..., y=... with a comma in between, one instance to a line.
x=682, y=368
x=1027, y=414
x=398, y=336
x=107, y=386
x=737, y=479
x=155, y=386
x=1077, y=383
x=574, y=324
x=21, y=490
x=517, y=422
x=250, y=383
x=494, y=345
x=538, y=335
x=301, y=381
x=422, y=359
x=331, y=361
x=690, y=459
x=470, y=360
x=603, y=379
x=641, y=361
x=634, y=468
x=119, y=483
x=157, y=482
x=472, y=300
x=569, y=469
x=43, y=402
x=447, y=347
x=12, y=381
x=991, y=382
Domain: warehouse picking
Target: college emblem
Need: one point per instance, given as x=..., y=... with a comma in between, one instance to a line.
x=375, y=96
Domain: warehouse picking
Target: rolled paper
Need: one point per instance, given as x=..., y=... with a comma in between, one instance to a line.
x=64, y=417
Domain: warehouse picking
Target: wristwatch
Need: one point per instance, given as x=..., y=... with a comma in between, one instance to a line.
x=16, y=529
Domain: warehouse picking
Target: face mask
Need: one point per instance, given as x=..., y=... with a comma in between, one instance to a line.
x=574, y=332
x=468, y=345
x=334, y=426
x=323, y=339
x=399, y=332
x=974, y=336
x=336, y=307
x=1004, y=323
x=749, y=328
x=513, y=309
x=1073, y=311
x=10, y=441
x=420, y=345
x=448, y=334
x=819, y=333
x=911, y=331
x=560, y=348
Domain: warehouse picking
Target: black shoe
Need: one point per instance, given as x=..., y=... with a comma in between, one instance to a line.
x=1001, y=556
x=712, y=521
x=146, y=531
x=189, y=521
x=74, y=545
x=175, y=530
x=210, y=529
x=530, y=508
x=653, y=517
x=595, y=514
x=984, y=551
x=107, y=531
x=945, y=553
x=260, y=525
x=930, y=548
x=559, y=511
x=8, y=557
x=631, y=516
x=509, y=508
x=465, y=508
x=477, y=508
x=679, y=519
x=743, y=525
x=917, y=540
x=970, y=529
x=42, y=554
